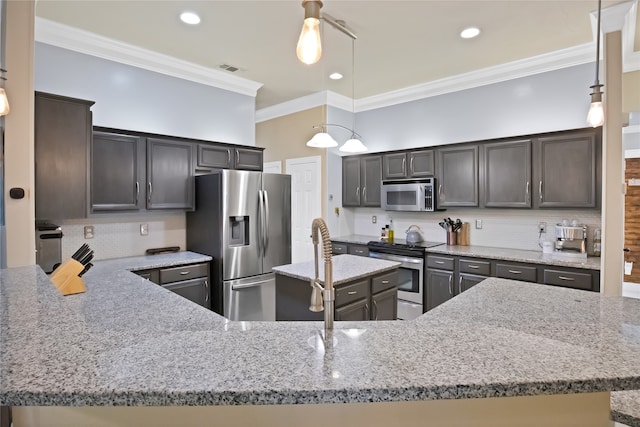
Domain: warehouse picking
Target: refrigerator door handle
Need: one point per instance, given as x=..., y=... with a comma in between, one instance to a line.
x=261, y=248
x=265, y=230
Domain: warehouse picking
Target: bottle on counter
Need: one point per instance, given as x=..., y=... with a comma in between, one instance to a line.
x=383, y=234
x=597, y=242
x=390, y=231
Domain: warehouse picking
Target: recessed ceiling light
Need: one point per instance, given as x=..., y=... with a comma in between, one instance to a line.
x=190, y=18
x=469, y=33
x=335, y=76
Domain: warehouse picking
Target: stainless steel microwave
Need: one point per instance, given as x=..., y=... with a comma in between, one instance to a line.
x=416, y=195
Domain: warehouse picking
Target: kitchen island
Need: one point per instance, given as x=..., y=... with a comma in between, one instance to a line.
x=502, y=353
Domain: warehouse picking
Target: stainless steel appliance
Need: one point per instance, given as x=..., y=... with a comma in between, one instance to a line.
x=571, y=240
x=410, y=273
x=48, y=246
x=243, y=220
x=409, y=195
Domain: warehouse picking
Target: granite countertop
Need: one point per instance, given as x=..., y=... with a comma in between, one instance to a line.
x=127, y=341
x=145, y=262
x=625, y=407
x=345, y=268
x=506, y=254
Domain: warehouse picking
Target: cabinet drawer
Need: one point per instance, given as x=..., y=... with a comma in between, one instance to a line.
x=360, y=250
x=338, y=248
x=440, y=262
x=384, y=281
x=516, y=272
x=353, y=292
x=567, y=278
x=475, y=267
x=177, y=274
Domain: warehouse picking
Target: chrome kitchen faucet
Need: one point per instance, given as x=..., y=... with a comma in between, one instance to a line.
x=320, y=294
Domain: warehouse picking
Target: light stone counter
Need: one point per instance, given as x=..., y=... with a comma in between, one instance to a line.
x=345, y=268
x=625, y=407
x=127, y=341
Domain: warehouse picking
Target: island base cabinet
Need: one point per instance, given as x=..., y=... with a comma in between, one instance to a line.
x=384, y=305
x=559, y=410
x=355, y=311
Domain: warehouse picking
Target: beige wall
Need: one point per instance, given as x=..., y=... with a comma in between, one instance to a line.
x=286, y=137
x=18, y=142
x=631, y=91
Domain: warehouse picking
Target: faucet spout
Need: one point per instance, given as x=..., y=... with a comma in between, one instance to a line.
x=327, y=292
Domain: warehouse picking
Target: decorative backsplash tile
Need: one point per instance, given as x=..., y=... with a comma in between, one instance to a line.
x=120, y=237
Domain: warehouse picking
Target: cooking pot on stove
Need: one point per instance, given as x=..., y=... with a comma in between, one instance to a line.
x=414, y=234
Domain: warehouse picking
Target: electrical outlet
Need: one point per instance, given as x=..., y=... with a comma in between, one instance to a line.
x=144, y=229
x=374, y=219
x=88, y=232
x=478, y=224
x=542, y=227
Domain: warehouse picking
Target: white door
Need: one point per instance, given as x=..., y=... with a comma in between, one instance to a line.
x=272, y=167
x=306, y=176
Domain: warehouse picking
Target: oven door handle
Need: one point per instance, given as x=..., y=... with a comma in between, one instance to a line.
x=396, y=258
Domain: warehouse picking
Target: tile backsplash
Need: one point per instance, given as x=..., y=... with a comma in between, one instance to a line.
x=510, y=228
x=120, y=236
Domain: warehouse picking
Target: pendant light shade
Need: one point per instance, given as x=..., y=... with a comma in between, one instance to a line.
x=595, y=117
x=309, y=49
x=322, y=140
x=4, y=103
x=353, y=145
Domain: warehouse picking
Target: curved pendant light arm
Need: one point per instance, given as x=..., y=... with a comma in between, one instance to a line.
x=338, y=126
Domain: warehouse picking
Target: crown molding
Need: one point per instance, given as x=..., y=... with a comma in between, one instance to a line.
x=630, y=57
x=66, y=37
x=307, y=102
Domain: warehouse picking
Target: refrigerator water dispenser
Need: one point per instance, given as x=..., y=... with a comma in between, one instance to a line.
x=239, y=231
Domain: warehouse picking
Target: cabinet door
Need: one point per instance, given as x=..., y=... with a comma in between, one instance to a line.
x=62, y=136
x=384, y=305
x=566, y=166
x=356, y=311
x=350, y=181
x=395, y=165
x=421, y=163
x=466, y=281
x=169, y=179
x=152, y=275
x=371, y=175
x=457, y=170
x=196, y=290
x=116, y=172
x=439, y=287
x=338, y=248
x=247, y=159
x=214, y=157
x=359, y=250
x=507, y=174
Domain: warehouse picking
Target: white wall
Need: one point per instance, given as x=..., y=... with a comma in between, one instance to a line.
x=132, y=98
x=545, y=102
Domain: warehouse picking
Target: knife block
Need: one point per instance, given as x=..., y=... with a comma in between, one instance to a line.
x=66, y=279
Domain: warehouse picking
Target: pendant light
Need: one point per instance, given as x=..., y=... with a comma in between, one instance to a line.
x=322, y=139
x=309, y=47
x=353, y=144
x=4, y=102
x=595, y=117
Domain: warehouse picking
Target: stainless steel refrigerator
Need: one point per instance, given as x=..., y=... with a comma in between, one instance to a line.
x=243, y=220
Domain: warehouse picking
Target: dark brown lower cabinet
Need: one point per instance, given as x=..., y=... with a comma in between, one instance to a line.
x=384, y=305
x=439, y=287
x=466, y=281
x=358, y=310
x=190, y=281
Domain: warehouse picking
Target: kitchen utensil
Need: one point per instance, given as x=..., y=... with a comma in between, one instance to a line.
x=414, y=234
x=444, y=225
x=78, y=254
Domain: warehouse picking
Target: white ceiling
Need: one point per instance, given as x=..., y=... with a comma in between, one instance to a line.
x=400, y=43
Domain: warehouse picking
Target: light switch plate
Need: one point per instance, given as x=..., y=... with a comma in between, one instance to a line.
x=479, y=224
x=88, y=232
x=144, y=229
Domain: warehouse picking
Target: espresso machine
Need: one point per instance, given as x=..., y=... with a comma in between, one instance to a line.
x=571, y=239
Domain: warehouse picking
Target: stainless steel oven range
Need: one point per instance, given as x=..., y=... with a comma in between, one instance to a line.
x=410, y=273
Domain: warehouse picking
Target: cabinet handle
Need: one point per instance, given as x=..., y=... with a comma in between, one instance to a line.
x=440, y=192
x=206, y=286
x=184, y=273
x=375, y=310
x=366, y=307
x=352, y=292
x=404, y=163
x=526, y=192
x=451, y=284
x=568, y=279
x=237, y=157
x=515, y=271
x=384, y=282
x=475, y=267
x=411, y=166
x=439, y=262
x=137, y=191
x=540, y=190
x=358, y=193
x=229, y=156
x=359, y=251
x=150, y=191
x=460, y=284
x=364, y=193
